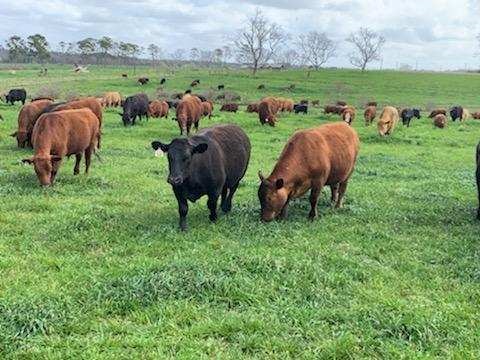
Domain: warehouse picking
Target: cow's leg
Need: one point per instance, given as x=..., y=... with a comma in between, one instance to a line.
x=478, y=190
x=341, y=193
x=182, y=210
x=88, y=158
x=227, y=205
x=314, y=194
x=196, y=126
x=212, y=206
x=224, y=198
x=189, y=126
x=334, y=188
x=284, y=213
x=76, y=169
x=55, y=167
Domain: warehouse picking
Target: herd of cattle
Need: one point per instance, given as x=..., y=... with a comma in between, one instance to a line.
x=214, y=160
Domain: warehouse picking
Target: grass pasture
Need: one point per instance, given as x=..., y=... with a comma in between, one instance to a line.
x=95, y=267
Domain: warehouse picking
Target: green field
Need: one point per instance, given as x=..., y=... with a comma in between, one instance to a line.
x=95, y=267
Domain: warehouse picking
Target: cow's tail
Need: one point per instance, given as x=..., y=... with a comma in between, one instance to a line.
x=478, y=154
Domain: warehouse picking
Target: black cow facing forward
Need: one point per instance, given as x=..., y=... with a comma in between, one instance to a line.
x=211, y=163
x=478, y=180
x=456, y=113
x=300, y=108
x=133, y=106
x=16, y=95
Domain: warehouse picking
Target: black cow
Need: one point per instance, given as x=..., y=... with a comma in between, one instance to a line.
x=143, y=80
x=163, y=81
x=133, y=106
x=16, y=95
x=408, y=114
x=195, y=83
x=211, y=163
x=172, y=103
x=221, y=87
x=456, y=113
x=202, y=98
x=300, y=108
x=478, y=180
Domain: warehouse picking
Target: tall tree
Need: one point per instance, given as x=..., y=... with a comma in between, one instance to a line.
x=155, y=52
x=38, y=47
x=17, y=49
x=368, y=47
x=105, y=44
x=87, y=47
x=316, y=48
x=258, y=41
x=62, y=46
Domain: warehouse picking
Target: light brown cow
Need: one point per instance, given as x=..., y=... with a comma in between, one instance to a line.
x=285, y=105
x=348, y=114
x=440, y=121
x=388, y=120
x=26, y=121
x=207, y=108
x=158, y=109
x=311, y=159
x=63, y=133
x=189, y=111
x=466, y=115
x=112, y=99
x=267, y=111
x=370, y=114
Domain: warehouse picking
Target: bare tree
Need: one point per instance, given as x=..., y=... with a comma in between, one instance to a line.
x=179, y=55
x=288, y=57
x=316, y=48
x=368, y=47
x=155, y=52
x=258, y=41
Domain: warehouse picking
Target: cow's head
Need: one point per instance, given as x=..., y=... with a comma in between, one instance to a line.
x=273, y=197
x=44, y=166
x=22, y=138
x=180, y=153
x=416, y=113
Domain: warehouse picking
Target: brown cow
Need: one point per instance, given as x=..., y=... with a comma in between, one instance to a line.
x=476, y=115
x=207, y=108
x=26, y=121
x=229, y=107
x=440, y=121
x=372, y=103
x=311, y=159
x=63, y=133
x=267, y=111
x=253, y=107
x=143, y=80
x=333, y=109
x=348, y=114
x=341, y=103
x=189, y=111
x=370, y=114
x=112, y=99
x=158, y=109
x=436, y=112
x=286, y=104
x=388, y=120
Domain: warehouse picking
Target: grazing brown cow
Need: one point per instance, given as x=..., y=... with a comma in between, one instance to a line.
x=440, y=121
x=370, y=114
x=158, y=109
x=348, y=114
x=286, y=104
x=252, y=108
x=311, y=159
x=60, y=134
x=207, y=108
x=436, y=112
x=229, y=107
x=388, y=120
x=333, y=109
x=143, y=80
x=476, y=115
x=112, y=99
x=189, y=111
x=267, y=111
x=26, y=121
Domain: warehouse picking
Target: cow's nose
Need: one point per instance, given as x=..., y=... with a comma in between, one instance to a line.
x=174, y=180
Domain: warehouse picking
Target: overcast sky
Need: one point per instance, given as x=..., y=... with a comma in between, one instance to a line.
x=438, y=34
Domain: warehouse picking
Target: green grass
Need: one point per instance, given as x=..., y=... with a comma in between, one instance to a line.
x=96, y=268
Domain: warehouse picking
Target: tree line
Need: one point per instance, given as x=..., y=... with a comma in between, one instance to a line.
x=259, y=44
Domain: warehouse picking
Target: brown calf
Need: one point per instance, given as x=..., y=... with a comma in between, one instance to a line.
x=158, y=109
x=207, y=108
x=370, y=114
x=189, y=111
x=26, y=121
x=440, y=121
x=253, y=107
x=348, y=114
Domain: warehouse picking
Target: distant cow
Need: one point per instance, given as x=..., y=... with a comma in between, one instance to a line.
x=311, y=159
x=267, y=111
x=476, y=115
x=466, y=115
x=15, y=95
x=300, y=108
x=372, y=103
x=207, y=109
x=178, y=96
x=189, y=112
x=304, y=102
x=124, y=76
x=341, y=103
x=408, y=114
x=212, y=163
x=162, y=81
x=112, y=99
x=195, y=83
x=143, y=80
x=370, y=114
x=456, y=113
x=286, y=105
x=261, y=87
x=388, y=121
x=189, y=91
x=158, y=109
x=348, y=114
x=134, y=106
x=440, y=121
x=172, y=104
x=436, y=112
x=316, y=103
x=231, y=107
x=252, y=108
x=221, y=87
x=333, y=109
x=60, y=134
x=478, y=180
x=27, y=118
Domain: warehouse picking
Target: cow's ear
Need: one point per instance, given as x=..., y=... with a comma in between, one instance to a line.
x=28, y=161
x=55, y=158
x=14, y=134
x=279, y=184
x=200, y=148
x=157, y=145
